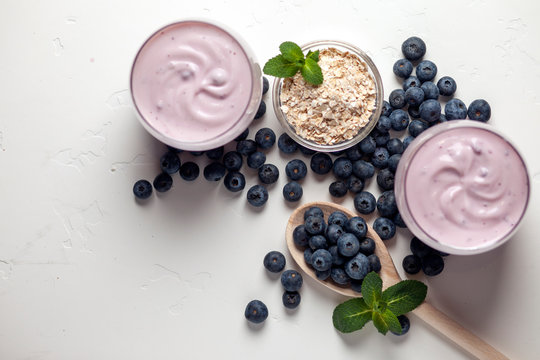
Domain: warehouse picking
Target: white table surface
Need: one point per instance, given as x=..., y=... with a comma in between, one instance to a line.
x=88, y=273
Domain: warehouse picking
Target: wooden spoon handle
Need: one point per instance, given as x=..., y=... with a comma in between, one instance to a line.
x=457, y=333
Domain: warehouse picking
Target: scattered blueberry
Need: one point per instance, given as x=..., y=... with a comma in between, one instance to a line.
x=214, y=171
x=348, y=245
x=400, y=119
x=356, y=226
x=268, y=173
x=407, y=141
x=163, y=182
x=414, y=112
x=411, y=81
x=432, y=264
x=338, y=188
x=447, y=86
x=358, y=267
x=405, y=325
x=291, y=280
x=381, y=138
x=142, y=189
x=338, y=218
x=257, y=195
x=374, y=263
x=393, y=162
x=394, y=146
x=243, y=135
x=384, y=227
x=403, y=68
x=416, y=127
x=354, y=153
x=291, y=299
x=261, y=110
x=367, y=246
x=256, y=311
x=397, y=99
x=189, y=171
x=356, y=285
x=414, y=96
x=321, y=163
x=342, y=168
x=430, y=110
x=426, y=70
x=380, y=158
x=383, y=125
x=339, y=276
x=411, y=264
x=274, y=261
x=265, y=138
x=367, y=145
x=234, y=181
x=246, y=147
x=313, y=211
x=300, y=236
x=413, y=48
x=232, y=161
x=322, y=275
x=196, y=153
x=355, y=184
x=479, y=110
x=364, y=202
x=386, y=204
x=431, y=91
x=363, y=169
x=215, y=154
x=398, y=220
x=286, y=144
x=292, y=191
x=256, y=159
x=455, y=109
x=419, y=248
x=321, y=260
x=385, y=179
x=266, y=85
x=169, y=162
x=304, y=150
x=386, y=108
x=296, y=169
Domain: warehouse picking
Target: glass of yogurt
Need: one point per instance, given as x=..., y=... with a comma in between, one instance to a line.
x=195, y=85
x=462, y=187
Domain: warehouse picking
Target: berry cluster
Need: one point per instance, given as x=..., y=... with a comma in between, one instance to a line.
x=424, y=258
x=338, y=248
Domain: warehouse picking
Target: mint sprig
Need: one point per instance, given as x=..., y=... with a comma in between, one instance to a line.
x=291, y=60
x=382, y=307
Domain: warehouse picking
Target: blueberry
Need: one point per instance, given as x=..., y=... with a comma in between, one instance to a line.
x=419, y=248
x=386, y=204
x=292, y=191
x=315, y=225
x=356, y=285
x=338, y=188
x=291, y=299
x=196, y=153
x=338, y=152
x=322, y=275
x=400, y=119
x=321, y=260
x=411, y=264
x=338, y=218
x=384, y=124
x=333, y=232
x=414, y=112
x=321, y=163
x=384, y=227
x=243, y=135
x=261, y=110
x=215, y=154
x=380, y=158
x=266, y=85
x=414, y=96
x=234, y=181
x=268, y=173
x=142, y=189
x=431, y=91
x=397, y=99
x=393, y=162
x=256, y=311
x=337, y=259
x=291, y=280
x=394, y=146
x=432, y=264
x=447, y=86
x=355, y=184
x=296, y=169
x=274, y=261
x=367, y=145
x=308, y=253
x=354, y=153
x=405, y=325
x=348, y=245
x=304, y=150
x=374, y=263
x=382, y=138
x=358, y=267
x=364, y=202
x=403, y=68
x=173, y=149
x=430, y=110
x=455, y=109
x=286, y=144
x=214, y=171
x=413, y=48
x=256, y=159
x=257, y=195
x=386, y=108
x=398, y=220
x=407, y=141
x=411, y=81
x=363, y=170
x=339, y=276
x=265, y=138
x=169, y=162
x=356, y=226
x=232, y=161
x=416, y=127
x=163, y=182
x=385, y=179
x=313, y=211
x=300, y=236
x=479, y=110
x=426, y=70
x=342, y=168
x=367, y=246
x=246, y=147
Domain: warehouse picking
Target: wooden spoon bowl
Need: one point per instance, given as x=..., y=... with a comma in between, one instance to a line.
x=469, y=342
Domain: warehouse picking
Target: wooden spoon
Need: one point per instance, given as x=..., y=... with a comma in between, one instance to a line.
x=389, y=275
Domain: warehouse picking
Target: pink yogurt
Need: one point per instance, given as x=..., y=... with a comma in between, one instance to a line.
x=194, y=85
x=461, y=187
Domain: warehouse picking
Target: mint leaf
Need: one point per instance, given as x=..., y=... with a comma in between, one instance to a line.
x=380, y=323
x=291, y=51
x=311, y=71
x=313, y=55
x=386, y=321
x=404, y=296
x=372, y=288
x=351, y=315
x=280, y=67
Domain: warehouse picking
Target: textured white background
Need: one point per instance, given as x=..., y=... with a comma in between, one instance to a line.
x=88, y=273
